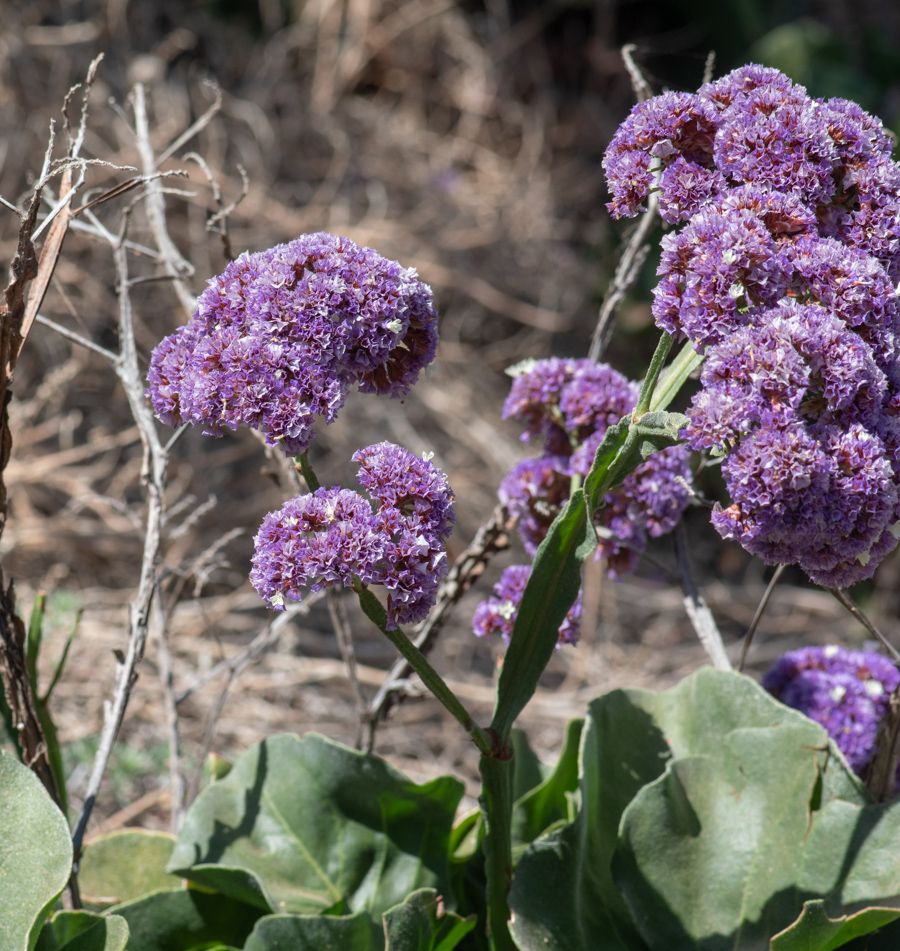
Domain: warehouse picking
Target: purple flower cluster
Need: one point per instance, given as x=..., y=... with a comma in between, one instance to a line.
x=783, y=270
x=570, y=404
x=846, y=691
x=280, y=336
x=333, y=536
x=498, y=614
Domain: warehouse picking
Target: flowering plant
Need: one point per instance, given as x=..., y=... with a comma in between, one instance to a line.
x=706, y=816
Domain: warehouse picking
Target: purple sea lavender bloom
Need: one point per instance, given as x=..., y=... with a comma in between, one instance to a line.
x=333, y=535
x=568, y=400
x=280, y=336
x=746, y=83
x=315, y=541
x=782, y=143
x=498, y=614
x=657, y=134
x=535, y=491
x=845, y=691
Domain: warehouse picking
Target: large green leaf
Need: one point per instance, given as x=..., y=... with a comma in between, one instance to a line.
x=83, y=931
x=815, y=931
x=418, y=924
x=321, y=825
x=421, y=923
x=187, y=920
x=35, y=854
x=563, y=894
x=552, y=800
x=125, y=865
x=358, y=932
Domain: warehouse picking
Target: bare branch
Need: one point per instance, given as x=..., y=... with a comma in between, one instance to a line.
x=697, y=609
x=195, y=128
x=760, y=610
x=641, y=87
x=860, y=616
x=76, y=338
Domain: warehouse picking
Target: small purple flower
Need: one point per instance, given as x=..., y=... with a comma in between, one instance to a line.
x=845, y=691
x=534, y=492
x=334, y=535
x=498, y=614
x=280, y=336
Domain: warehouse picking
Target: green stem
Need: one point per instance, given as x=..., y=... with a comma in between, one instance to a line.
x=301, y=462
x=496, y=806
x=680, y=369
x=649, y=385
x=374, y=611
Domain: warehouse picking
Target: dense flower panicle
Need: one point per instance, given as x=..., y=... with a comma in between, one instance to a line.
x=572, y=403
x=334, y=535
x=534, y=492
x=799, y=404
x=566, y=401
x=498, y=614
x=674, y=129
x=280, y=336
x=845, y=691
x=784, y=274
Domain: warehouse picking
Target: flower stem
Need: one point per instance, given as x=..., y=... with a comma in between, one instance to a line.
x=374, y=611
x=496, y=806
x=649, y=384
x=302, y=463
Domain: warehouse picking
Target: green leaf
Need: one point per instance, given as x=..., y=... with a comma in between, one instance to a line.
x=550, y=592
x=358, y=932
x=421, y=923
x=318, y=823
x=123, y=866
x=552, y=800
x=815, y=931
x=528, y=770
x=238, y=883
x=83, y=931
x=35, y=854
x=563, y=894
x=187, y=920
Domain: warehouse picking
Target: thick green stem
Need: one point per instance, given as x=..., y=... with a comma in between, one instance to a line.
x=301, y=462
x=374, y=611
x=496, y=806
x=649, y=385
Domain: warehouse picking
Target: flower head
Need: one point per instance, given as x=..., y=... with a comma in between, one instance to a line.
x=334, y=536
x=280, y=336
x=846, y=691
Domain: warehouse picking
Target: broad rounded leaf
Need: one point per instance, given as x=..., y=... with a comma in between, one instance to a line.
x=321, y=825
x=815, y=931
x=187, y=920
x=35, y=854
x=83, y=931
x=563, y=895
x=358, y=932
x=422, y=923
x=125, y=865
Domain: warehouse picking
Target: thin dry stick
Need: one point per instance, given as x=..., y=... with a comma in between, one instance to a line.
x=697, y=609
x=857, y=612
x=176, y=772
x=340, y=622
x=264, y=639
x=642, y=90
x=490, y=539
x=760, y=610
x=881, y=775
x=176, y=266
x=709, y=67
x=218, y=222
x=153, y=476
